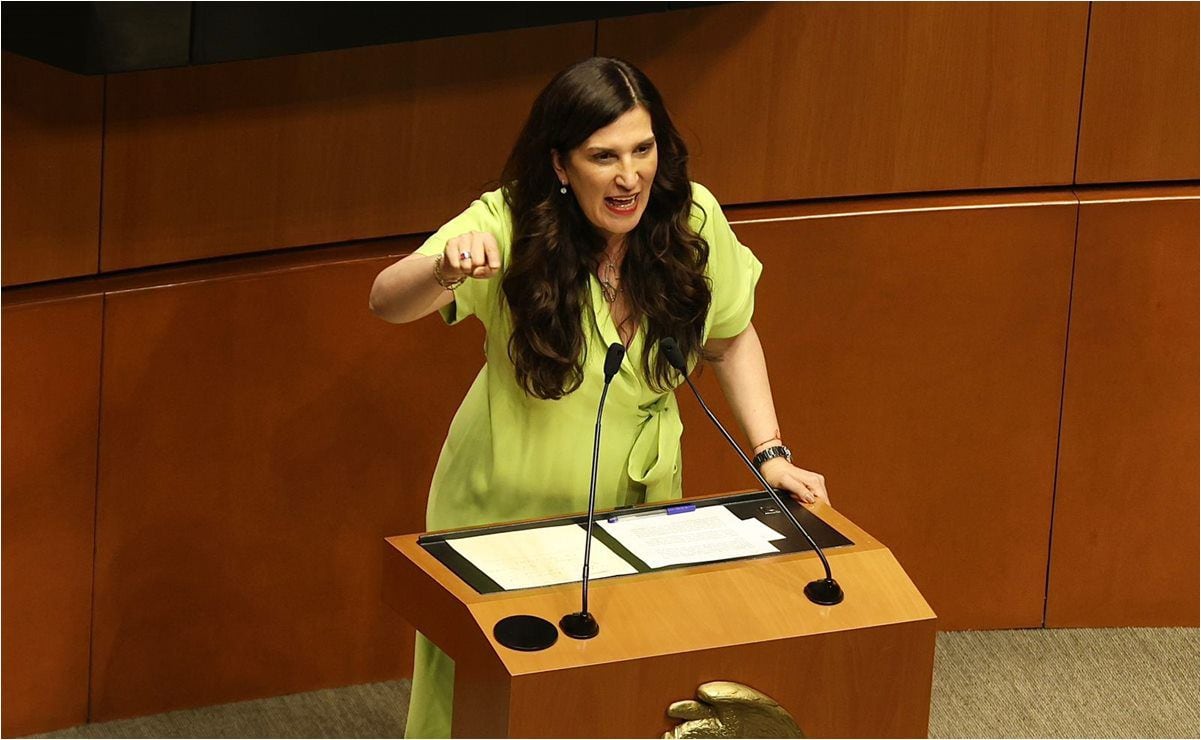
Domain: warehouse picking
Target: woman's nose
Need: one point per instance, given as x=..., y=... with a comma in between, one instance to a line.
x=627, y=177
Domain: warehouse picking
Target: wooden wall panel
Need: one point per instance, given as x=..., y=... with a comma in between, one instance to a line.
x=51, y=390
x=1139, y=120
x=51, y=171
x=262, y=435
x=787, y=101
x=1124, y=550
x=316, y=148
x=916, y=360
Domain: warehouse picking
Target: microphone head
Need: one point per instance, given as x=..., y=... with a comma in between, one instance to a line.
x=674, y=356
x=613, y=360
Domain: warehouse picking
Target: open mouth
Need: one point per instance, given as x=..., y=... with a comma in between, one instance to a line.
x=623, y=205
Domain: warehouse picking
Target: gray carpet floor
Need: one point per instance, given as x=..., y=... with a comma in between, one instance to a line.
x=1020, y=683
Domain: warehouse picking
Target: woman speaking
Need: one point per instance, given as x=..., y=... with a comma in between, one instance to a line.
x=595, y=236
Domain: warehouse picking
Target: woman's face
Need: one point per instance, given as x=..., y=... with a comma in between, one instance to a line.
x=611, y=173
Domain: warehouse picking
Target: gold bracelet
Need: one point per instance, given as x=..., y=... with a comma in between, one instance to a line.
x=438, y=276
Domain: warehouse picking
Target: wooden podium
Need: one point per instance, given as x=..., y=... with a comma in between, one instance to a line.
x=862, y=668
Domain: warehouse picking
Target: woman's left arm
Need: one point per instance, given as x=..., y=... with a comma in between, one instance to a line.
x=742, y=372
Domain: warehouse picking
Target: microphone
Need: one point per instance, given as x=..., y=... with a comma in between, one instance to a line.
x=582, y=625
x=825, y=591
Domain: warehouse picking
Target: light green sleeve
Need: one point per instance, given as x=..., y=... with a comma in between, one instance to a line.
x=488, y=214
x=733, y=269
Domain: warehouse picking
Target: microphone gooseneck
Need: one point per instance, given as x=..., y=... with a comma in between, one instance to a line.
x=823, y=591
x=582, y=625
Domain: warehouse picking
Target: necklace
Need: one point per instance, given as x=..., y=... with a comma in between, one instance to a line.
x=609, y=280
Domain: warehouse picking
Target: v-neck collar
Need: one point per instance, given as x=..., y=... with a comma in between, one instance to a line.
x=603, y=320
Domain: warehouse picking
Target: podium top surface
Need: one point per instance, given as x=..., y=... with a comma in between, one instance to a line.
x=755, y=505
x=669, y=611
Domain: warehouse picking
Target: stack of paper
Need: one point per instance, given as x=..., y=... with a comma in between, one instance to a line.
x=699, y=536
x=528, y=558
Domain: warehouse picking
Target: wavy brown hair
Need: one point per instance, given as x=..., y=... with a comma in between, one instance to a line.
x=555, y=248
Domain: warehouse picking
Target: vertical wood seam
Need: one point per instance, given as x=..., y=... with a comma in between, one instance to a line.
x=1063, y=386
x=96, y=507
x=1067, y=332
x=1088, y=27
x=99, y=400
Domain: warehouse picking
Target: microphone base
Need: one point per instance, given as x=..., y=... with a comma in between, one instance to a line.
x=525, y=632
x=824, y=591
x=581, y=626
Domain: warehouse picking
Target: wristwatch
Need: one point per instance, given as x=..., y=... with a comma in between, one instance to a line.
x=769, y=453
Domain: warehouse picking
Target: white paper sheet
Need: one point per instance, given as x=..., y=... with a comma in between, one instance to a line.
x=756, y=528
x=706, y=534
x=528, y=558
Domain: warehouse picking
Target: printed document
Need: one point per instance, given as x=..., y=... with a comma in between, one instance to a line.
x=528, y=558
x=706, y=534
x=760, y=530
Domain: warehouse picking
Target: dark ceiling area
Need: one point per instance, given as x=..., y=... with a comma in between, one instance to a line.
x=107, y=37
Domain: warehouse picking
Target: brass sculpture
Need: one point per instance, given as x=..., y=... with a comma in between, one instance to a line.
x=728, y=709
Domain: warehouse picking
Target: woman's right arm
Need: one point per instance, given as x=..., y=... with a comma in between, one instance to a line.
x=407, y=290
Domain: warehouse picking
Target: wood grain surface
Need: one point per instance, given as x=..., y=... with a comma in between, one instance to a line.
x=1139, y=120
x=802, y=100
x=664, y=633
x=51, y=389
x=316, y=148
x=52, y=123
x=862, y=683
x=262, y=434
x=915, y=349
x=1125, y=539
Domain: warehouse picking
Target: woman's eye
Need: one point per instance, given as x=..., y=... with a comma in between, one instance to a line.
x=644, y=148
x=602, y=157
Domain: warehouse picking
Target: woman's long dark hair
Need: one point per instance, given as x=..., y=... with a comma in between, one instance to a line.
x=555, y=248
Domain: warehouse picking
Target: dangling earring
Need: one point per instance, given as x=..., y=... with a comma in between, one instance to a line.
x=563, y=189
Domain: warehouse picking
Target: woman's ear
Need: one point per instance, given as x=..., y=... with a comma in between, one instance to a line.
x=557, y=162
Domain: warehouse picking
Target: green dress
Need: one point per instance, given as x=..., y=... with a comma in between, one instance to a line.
x=511, y=456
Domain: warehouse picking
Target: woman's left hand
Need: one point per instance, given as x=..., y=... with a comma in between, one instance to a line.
x=803, y=485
